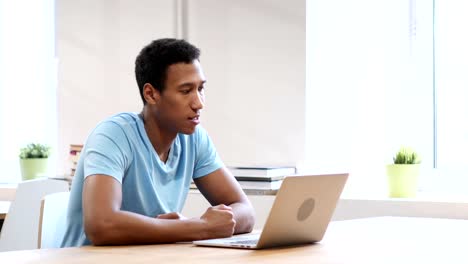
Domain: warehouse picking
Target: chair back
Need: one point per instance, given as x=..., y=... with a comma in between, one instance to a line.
x=52, y=220
x=20, y=228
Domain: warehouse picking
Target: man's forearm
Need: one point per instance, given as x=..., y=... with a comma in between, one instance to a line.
x=244, y=215
x=130, y=228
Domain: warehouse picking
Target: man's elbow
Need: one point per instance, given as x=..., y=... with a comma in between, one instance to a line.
x=99, y=232
x=251, y=220
x=248, y=219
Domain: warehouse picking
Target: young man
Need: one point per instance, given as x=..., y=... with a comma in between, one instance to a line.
x=134, y=173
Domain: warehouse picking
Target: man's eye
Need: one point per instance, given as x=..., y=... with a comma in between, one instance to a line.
x=185, y=91
x=201, y=89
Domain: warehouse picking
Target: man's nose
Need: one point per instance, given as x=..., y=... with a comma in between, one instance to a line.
x=198, y=102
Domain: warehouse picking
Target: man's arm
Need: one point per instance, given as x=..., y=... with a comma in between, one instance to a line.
x=220, y=187
x=106, y=224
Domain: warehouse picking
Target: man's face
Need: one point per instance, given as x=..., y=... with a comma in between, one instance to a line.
x=181, y=101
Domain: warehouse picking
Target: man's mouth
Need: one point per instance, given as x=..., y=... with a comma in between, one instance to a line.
x=195, y=118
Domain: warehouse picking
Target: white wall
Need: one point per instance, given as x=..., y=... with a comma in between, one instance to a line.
x=97, y=43
x=253, y=54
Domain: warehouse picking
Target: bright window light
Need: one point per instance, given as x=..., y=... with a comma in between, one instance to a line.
x=28, y=73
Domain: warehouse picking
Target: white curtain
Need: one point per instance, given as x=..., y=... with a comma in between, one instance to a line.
x=28, y=74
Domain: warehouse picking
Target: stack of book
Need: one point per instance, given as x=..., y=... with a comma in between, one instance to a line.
x=75, y=151
x=268, y=174
x=262, y=180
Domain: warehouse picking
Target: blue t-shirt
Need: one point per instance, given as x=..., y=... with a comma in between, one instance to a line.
x=119, y=147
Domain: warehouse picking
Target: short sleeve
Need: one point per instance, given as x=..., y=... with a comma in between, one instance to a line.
x=107, y=151
x=207, y=159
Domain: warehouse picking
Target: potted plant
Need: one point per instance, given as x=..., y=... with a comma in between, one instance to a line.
x=33, y=161
x=403, y=174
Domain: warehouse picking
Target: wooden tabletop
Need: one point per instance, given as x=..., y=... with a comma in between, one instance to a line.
x=4, y=207
x=371, y=240
x=7, y=191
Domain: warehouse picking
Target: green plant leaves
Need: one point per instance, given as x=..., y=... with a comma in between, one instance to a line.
x=406, y=156
x=35, y=151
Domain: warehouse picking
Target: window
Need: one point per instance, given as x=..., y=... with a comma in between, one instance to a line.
x=385, y=74
x=451, y=96
x=27, y=80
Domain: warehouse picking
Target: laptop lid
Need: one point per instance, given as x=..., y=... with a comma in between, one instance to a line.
x=300, y=214
x=302, y=209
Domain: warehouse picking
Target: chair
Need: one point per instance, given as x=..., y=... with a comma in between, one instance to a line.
x=20, y=229
x=52, y=220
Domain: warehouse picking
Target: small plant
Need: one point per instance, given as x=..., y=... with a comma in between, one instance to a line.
x=406, y=156
x=35, y=151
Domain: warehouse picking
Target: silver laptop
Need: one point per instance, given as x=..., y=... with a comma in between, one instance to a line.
x=302, y=209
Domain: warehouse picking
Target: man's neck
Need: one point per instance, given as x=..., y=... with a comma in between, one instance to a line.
x=160, y=138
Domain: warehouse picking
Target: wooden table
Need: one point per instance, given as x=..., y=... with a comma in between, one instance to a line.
x=8, y=191
x=4, y=207
x=369, y=240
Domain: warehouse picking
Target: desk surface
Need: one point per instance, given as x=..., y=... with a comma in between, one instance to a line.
x=7, y=191
x=4, y=207
x=371, y=240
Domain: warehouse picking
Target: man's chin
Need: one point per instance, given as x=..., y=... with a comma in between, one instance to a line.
x=188, y=131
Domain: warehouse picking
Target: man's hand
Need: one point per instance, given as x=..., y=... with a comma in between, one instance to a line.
x=172, y=215
x=220, y=187
x=219, y=221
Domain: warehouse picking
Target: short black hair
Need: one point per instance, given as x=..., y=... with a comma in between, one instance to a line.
x=154, y=59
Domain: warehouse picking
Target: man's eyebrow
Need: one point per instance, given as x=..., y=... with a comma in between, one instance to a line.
x=190, y=84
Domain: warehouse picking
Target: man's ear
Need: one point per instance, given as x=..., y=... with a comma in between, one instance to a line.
x=150, y=94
